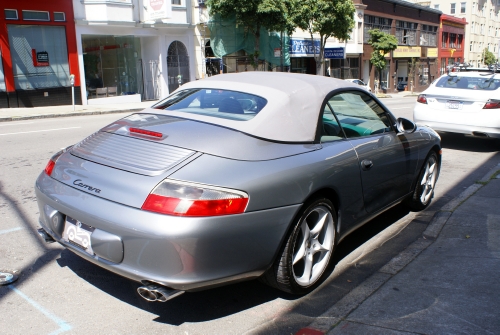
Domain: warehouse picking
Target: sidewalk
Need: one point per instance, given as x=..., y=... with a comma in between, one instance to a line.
x=13, y=114
x=446, y=282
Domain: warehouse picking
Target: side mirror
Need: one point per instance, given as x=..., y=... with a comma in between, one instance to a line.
x=405, y=126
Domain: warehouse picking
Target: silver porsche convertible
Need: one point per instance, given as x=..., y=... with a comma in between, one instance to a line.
x=235, y=177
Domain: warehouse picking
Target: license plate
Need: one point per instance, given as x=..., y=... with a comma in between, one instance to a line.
x=451, y=104
x=78, y=234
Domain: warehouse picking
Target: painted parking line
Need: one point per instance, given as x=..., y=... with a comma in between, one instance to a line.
x=402, y=107
x=39, y=131
x=6, y=231
x=14, y=124
x=63, y=325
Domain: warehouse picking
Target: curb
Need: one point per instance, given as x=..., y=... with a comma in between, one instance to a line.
x=46, y=116
x=338, y=312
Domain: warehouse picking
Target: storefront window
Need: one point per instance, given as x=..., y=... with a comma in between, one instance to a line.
x=112, y=65
x=39, y=56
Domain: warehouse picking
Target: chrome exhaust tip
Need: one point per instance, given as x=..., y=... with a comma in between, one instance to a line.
x=158, y=293
x=46, y=237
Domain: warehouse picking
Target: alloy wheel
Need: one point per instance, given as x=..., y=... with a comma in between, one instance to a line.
x=313, y=246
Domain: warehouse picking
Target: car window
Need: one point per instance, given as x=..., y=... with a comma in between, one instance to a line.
x=224, y=104
x=359, y=115
x=479, y=82
x=330, y=129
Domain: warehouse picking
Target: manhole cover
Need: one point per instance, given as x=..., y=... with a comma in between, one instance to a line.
x=7, y=277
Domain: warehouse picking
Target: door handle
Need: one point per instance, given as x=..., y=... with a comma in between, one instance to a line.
x=366, y=164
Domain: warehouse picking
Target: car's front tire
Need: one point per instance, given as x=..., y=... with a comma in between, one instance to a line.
x=307, y=251
x=424, y=188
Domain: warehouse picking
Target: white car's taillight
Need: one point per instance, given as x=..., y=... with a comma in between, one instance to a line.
x=52, y=162
x=492, y=104
x=181, y=198
x=422, y=99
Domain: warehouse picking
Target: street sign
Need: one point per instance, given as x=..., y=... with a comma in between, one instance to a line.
x=335, y=53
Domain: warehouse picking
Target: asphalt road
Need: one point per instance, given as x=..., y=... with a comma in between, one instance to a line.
x=60, y=293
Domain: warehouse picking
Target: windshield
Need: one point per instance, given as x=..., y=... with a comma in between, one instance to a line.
x=479, y=82
x=224, y=104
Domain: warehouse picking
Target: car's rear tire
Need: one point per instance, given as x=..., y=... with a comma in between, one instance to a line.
x=424, y=188
x=307, y=251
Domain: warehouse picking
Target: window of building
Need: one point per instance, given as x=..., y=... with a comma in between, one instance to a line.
x=59, y=16
x=176, y=2
x=374, y=22
x=444, y=42
x=406, y=32
x=460, y=40
x=428, y=35
x=436, y=7
x=452, y=8
x=462, y=7
x=360, y=33
x=2, y=76
x=473, y=8
x=112, y=62
x=470, y=46
x=39, y=56
x=10, y=14
x=453, y=38
x=32, y=15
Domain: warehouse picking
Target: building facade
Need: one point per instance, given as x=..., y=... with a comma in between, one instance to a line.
x=133, y=50
x=483, y=28
x=415, y=60
x=451, y=43
x=39, y=54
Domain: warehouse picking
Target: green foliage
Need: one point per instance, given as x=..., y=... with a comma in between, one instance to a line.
x=489, y=57
x=273, y=15
x=382, y=43
x=327, y=18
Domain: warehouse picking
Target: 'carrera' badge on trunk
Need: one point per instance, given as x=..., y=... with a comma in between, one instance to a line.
x=79, y=183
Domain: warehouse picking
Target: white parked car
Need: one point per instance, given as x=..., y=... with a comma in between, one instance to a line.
x=361, y=83
x=462, y=102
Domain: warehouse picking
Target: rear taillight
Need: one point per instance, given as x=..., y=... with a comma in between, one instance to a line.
x=52, y=162
x=422, y=99
x=180, y=198
x=492, y=104
x=50, y=167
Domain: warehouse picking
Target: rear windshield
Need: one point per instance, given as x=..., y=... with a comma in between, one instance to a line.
x=223, y=104
x=487, y=82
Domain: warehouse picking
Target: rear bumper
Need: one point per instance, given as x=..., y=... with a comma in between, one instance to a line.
x=481, y=123
x=180, y=253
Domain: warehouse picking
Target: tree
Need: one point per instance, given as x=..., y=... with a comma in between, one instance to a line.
x=382, y=43
x=327, y=18
x=274, y=15
x=489, y=57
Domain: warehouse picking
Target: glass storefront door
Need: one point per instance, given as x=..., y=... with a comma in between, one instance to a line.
x=178, y=65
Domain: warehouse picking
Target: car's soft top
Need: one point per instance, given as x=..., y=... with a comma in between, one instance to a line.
x=293, y=103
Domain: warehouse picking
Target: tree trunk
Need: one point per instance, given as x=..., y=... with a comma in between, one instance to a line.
x=256, y=54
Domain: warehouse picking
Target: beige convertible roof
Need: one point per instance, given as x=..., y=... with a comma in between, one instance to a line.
x=292, y=110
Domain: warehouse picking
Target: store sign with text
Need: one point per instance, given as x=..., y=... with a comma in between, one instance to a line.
x=40, y=58
x=402, y=52
x=304, y=47
x=157, y=10
x=335, y=53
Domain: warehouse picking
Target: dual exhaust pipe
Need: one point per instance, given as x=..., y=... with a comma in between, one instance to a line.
x=155, y=292
x=151, y=292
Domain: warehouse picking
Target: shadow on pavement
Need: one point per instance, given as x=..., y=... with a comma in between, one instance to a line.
x=469, y=143
x=227, y=300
